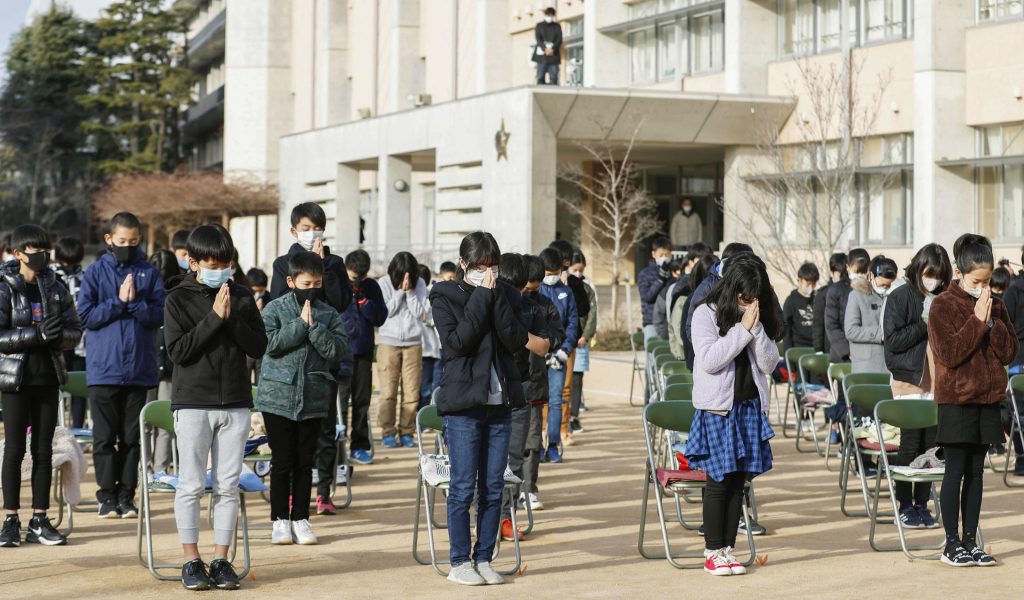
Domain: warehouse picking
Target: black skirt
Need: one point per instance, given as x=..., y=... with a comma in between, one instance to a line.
x=969, y=424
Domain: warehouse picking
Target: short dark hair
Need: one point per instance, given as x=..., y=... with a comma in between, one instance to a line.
x=676, y=264
x=309, y=210
x=808, y=271
x=549, y=11
x=534, y=268
x=1000, y=278
x=564, y=248
x=697, y=250
x=124, y=219
x=858, y=259
x=210, y=242
x=257, y=277
x=447, y=267
x=166, y=264
x=551, y=259
x=884, y=267
x=69, y=250
x=837, y=264
x=309, y=263
x=578, y=258
x=402, y=264
x=734, y=248
x=972, y=251
x=358, y=261
x=513, y=270
x=661, y=243
x=425, y=274
x=24, y=236
x=480, y=249
x=179, y=239
x=930, y=259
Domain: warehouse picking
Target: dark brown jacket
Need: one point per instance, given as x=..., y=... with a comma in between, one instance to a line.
x=969, y=355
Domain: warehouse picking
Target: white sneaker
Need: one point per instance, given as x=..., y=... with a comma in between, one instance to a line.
x=535, y=503
x=735, y=566
x=282, y=534
x=465, y=574
x=303, y=533
x=492, y=577
x=341, y=475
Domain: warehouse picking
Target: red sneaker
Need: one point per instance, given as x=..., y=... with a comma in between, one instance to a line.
x=324, y=506
x=506, y=531
x=716, y=563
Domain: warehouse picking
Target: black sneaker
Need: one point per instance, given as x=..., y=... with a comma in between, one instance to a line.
x=194, y=576
x=223, y=575
x=40, y=531
x=10, y=536
x=127, y=510
x=700, y=531
x=575, y=426
x=979, y=556
x=955, y=555
x=108, y=510
x=1018, y=467
x=755, y=528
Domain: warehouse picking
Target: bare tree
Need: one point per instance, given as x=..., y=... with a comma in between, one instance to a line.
x=615, y=215
x=800, y=195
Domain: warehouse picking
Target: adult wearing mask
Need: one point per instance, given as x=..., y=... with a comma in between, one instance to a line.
x=548, y=51
x=686, y=228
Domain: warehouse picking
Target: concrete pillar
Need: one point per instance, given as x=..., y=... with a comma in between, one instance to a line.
x=751, y=37
x=543, y=183
x=333, y=86
x=605, y=57
x=402, y=75
x=493, y=45
x=392, y=205
x=941, y=196
x=346, y=207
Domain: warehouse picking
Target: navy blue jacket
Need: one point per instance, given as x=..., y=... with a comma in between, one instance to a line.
x=651, y=285
x=562, y=297
x=694, y=300
x=120, y=343
x=366, y=311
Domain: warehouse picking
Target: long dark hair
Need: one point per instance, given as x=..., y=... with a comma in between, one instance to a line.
x=166, y=264
x=478, y=249
x=403, y=263
x=745, y=275
x=931, y=258
x=701, y=269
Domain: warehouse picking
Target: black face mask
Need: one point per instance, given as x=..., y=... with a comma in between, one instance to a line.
x=38, y=261
x=310, y=294
x=122, y=254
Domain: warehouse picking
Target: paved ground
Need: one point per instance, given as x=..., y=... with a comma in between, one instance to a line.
x=584, y=545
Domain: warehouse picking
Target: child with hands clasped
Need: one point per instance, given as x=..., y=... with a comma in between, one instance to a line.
x=305, y=338
x=735, y=345
x=970, y=344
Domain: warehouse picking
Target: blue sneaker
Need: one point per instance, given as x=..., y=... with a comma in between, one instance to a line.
x=361, y=457
x=553, y=455
x=910, y=519
x=389, y=441
x=833, y=438
x=927, y=520
x=408, y=441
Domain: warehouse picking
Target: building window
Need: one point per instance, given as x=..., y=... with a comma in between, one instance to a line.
x=994, y=10
x=573, y=41
x=813, y=26
x=707, y=38
x=675, y=47
x=641, y=56
x=885, y=207
x=999, y=189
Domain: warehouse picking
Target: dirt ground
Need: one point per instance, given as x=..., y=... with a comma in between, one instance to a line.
x=584, y=544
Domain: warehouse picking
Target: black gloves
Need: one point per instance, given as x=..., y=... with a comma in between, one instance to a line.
x=664, y=273
x=50, y=328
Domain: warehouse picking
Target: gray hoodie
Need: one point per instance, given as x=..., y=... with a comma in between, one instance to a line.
x=863, y=328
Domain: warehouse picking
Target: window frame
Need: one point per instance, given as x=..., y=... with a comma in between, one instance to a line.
x=858, y=28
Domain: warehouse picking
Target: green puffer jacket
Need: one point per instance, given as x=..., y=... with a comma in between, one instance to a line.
x=295, y=379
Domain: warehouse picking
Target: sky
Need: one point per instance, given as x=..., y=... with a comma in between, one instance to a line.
x=12, y=17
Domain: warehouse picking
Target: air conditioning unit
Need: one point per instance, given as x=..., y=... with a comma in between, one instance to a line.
x=364, y=113
x=419, y=100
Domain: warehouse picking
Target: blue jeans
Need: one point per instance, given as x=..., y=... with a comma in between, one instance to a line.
x=556, y=381
x=478, y=449
x=551, y=70
x=430, y=379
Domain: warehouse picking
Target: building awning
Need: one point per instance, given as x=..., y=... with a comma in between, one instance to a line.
x=988, y=161
x=668, y=15
x=594, y=114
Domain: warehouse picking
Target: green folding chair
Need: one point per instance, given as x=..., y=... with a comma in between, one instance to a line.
x=864, y=397
x=667, y=368
x=678, y=378
x=427, y=419
x=851, y=380
x=157, y=414
x=810, y=366
x=673, y=416
x=906, y=414
x=636, y=341
x=1015, y=387
x=836, y=373
x=654, y=345
x=793, y=394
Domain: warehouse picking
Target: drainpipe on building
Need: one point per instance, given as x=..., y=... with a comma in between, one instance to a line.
x=376, y=53
x=455, y=50
x=844, y=47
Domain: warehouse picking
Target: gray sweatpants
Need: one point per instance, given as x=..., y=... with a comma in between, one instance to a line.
x=201, y=434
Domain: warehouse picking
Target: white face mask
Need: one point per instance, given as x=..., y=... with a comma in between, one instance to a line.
x=837, y=277
x=881, y=291
x=742, y=308
x=576, y=273
x=974, y=292
x=930, y=284
x=551, y=279
x=475, y=277
x=805, y=290
x=856, y=276
x=306, y=239
x=661, y=261
x=549, y=19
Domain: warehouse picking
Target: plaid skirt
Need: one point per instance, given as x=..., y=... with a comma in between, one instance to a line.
x=737, y=442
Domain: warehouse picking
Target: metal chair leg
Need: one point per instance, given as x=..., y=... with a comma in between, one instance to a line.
x=667, y=555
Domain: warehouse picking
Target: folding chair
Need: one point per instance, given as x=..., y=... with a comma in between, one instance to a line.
x=75, y=386
x=678, y=378
x=659, y=358
x=670, y=367
x=906, y=414
x=793, y=393
x=1015, y=386
x=653, y=346
x=864, y=397
x=836, y=373
x=428, y=419
x=673, y=416
x=773, y=388
x=636, y=341
x=158, y=414
x=817, y=366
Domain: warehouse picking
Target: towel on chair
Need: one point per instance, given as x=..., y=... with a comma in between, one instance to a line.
x=67, y=455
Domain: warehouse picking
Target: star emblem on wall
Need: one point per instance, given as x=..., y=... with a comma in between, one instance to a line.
x=501, y=141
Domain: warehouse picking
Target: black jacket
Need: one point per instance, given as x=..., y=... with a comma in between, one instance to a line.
x=579, y=293
x=18, y=336
x=835, y=321
x=905, y=334
x=1014, y=301
x=818, y=336
x=545, y=33
x=478, y=327
x=337, y=287
x=537, y=389
x=533, y=317
x=798, y=320
x=208, y=352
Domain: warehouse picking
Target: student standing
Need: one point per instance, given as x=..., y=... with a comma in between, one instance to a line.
x=905, y=335
x=837, y=268
x=308, y=223
x=798, y=310
x=838, y=299
x=211, y=325
x=37, y=325
x=651, y=282
x=970, y=344
x=430, y=376
x=588, y=327
x=479, y=330
x=735, y=346
x=68, y=253
x=305, y=338
x=863, y=319
x=562, y=297
x=121, y=305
